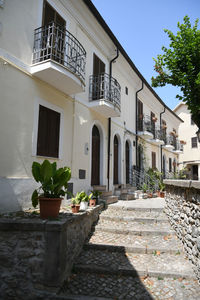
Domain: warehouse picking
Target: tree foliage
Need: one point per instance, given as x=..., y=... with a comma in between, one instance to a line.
x=180, y=65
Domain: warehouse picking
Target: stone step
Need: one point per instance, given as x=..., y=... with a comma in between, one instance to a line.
x=99, y=188
x=127, y=196
x=135, y=209
x=90, y=286
x=106, y=194
x=126, y=215
x=125, y=263
x=134, y=227
x=149, y=220
x=135, y=243
x=110, y=199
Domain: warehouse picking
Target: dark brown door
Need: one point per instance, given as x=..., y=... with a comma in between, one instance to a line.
x=127, y=162
x=53, y=35
x=116, y=159
x=95, y=176
x=140, y=116
x=98, y=78
x=164, y=131
x=153, y=160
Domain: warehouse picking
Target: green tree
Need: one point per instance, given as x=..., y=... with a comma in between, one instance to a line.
x=180, y=65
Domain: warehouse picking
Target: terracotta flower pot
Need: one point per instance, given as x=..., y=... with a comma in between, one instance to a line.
x=75, y=208
x=92, y=202
x=49, y=207
x=161, y=194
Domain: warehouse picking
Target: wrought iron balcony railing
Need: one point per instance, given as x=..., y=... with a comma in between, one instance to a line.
x=144, y=123
x=103, y=86
x=54, y=42
x=178, y=146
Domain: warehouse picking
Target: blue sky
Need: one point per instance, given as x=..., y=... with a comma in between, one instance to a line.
x=139, y=24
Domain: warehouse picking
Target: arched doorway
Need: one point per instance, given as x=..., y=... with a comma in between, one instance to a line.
x=95, y=174
x=127, y=153
x=116, y=161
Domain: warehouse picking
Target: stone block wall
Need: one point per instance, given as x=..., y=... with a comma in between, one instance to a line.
x=183, y=209
x=37, y=256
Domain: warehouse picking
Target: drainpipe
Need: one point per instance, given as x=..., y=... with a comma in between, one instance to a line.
x=161, y=165
x=136, y=108
x=109, y=119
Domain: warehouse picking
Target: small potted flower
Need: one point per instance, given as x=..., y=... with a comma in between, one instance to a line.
x=52, y=189
x=161, y=192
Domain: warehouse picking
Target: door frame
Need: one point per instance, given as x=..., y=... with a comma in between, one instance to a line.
x=130, y=157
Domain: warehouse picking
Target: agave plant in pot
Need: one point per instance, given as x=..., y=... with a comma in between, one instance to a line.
x=53, y=187
x=75, y=203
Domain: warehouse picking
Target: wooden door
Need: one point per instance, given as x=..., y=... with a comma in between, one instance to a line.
x=116, y=160
x=195, y=174
x=140, y=116
x=127, y=162
x=98, y=79
x=95, y=176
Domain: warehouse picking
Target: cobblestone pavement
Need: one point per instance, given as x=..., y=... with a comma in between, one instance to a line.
x=132, y=254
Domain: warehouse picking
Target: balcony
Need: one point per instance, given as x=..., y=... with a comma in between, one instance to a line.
x=157, y=136
x=145, y=127
x=105, y=95
x=178, y=147
x=169, y=142
x=59, y=59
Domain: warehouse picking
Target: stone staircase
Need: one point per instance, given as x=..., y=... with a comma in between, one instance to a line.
x=132, y=253
x=107, y=196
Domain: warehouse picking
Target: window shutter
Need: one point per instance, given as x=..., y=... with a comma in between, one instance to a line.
x=153, y=155
x=48, y=132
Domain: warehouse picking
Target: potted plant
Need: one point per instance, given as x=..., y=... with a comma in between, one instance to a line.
x=75, y=203
x=161, y=193
x=95, y=198
x=154, y=119
x=144, y=189
x=53, y=187
x=84, y=200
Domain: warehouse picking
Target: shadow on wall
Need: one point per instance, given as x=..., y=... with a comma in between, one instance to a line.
x=16, y=193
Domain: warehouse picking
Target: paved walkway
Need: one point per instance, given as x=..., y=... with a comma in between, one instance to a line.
x=132, y=253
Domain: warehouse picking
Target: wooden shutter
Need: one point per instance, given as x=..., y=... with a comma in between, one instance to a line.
x=170, y=164
x=153, y=155
x=48, y=132
x=98, y=66
x=140, y=116
x=153, y=128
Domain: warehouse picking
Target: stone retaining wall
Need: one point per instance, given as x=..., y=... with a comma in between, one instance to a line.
x=183, y=209
x=38, y=255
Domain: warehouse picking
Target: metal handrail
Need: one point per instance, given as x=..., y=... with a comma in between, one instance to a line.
x=105, y=87
x=54, y=42
x=139, y=177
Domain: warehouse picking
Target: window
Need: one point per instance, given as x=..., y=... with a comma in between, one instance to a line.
x=48, y=132
x=194, y=142
x=153, y=155
x=192, y=122
x=170, y=165
x=126, y=90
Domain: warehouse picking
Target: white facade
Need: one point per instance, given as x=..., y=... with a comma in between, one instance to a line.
x=190, y=157
x=26, y=85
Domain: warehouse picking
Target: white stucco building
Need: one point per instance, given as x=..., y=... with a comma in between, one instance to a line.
x=190, y=157
x=70, y=93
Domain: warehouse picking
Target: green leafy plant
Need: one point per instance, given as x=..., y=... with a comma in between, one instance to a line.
x=96, y=194
x=53, y=181
x=179, y=65
x=144, y=187
x=161, y=186
x=81, y=197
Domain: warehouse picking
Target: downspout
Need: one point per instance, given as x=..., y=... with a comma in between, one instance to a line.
x=136, y=130
x=161, y=165
x=109, y=119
